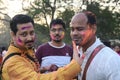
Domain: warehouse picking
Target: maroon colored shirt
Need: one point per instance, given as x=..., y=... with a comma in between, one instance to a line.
x=48, y=54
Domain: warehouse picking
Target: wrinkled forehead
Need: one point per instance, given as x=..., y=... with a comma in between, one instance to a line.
x=79, y=18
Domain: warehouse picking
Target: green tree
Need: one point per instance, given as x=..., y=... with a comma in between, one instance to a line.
x=66, y=16
x=45, y=10
x=107, y=21
x=42, y=10
x=4, y=25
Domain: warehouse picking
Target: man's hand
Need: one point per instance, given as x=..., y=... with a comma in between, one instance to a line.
x=50, y=68
x=53, y=67
x=76, y=54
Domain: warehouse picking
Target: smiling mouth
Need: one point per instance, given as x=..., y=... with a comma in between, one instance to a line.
x=77, y=40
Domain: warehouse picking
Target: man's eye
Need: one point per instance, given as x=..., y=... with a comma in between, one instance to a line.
x=61, y=30
x=32, y=33
x=80, y=29
x=23, y=34
x=53, y=30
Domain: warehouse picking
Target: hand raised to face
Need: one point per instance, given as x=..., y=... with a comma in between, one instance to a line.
x=76, y=56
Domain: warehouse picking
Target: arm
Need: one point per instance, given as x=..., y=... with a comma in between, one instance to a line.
x=38, y=54
x=50, y=68
x=19, y=69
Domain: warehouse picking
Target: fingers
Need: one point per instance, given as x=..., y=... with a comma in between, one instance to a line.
x=75, y=51
x=53, y=67
x=81, y=59
x=76, y=54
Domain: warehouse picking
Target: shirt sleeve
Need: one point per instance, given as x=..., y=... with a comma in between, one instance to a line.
x=19, y=70
x=38, y=54
x=112, y=68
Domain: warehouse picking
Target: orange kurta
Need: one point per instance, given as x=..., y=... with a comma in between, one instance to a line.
x=19, y=68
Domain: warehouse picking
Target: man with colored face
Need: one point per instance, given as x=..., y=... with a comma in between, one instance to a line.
x=55, y=53
x=20, y=61
x=25, y=36
x=106, y=64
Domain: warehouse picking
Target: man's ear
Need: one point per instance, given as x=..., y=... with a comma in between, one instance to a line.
x=94, y=28
x=12, y=35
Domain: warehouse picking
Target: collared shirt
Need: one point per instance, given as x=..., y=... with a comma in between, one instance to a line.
x=19, y=68
x=105, y=65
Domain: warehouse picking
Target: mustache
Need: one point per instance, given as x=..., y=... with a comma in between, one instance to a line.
x=57, y=35
x=75, y=37
x=29, y=42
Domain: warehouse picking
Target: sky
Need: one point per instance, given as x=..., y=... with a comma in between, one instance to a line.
x=15, y=6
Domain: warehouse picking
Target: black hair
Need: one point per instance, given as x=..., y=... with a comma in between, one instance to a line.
x=3, y=48
x=19, y=19
x=57, y=21
x=91, y=17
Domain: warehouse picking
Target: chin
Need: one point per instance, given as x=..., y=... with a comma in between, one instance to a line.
x=30, y=47
x=57, y=40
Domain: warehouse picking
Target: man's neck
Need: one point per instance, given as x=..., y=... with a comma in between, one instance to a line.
x=88, y=44
x=57, y=44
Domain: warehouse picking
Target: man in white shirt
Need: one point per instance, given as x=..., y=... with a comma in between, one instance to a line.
x=106, y=64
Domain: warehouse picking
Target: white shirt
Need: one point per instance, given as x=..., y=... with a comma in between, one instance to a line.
x=3, y=53
x=104, y=66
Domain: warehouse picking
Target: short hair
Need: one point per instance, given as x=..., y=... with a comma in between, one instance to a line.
x=19, y=19
x=3, y=48
x=57, y=21
x=91, y=17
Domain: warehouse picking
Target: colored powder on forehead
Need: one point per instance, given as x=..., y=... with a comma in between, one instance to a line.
x=26, y=27
x=53, y=25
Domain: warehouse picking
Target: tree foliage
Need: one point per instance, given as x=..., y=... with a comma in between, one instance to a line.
x=108, y=22
x=43, y=11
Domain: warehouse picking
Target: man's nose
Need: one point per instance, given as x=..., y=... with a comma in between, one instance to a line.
x=75, y=32
x=57, y=32
x=29, y=37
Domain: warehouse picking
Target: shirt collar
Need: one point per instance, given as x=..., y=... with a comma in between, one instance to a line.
x=56, y=46
x=13, y=49
x=93, y=46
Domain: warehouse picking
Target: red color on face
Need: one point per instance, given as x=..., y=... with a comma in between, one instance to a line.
x=86, y=35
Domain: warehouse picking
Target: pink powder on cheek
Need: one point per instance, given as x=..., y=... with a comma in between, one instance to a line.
x=34, y=38
x=26, y=27
x=19, y=41
x=82, y=33
x=52, y=37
